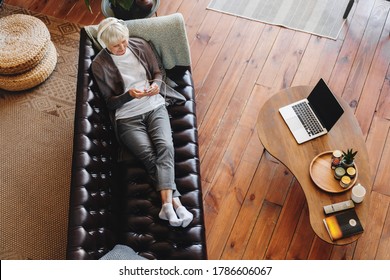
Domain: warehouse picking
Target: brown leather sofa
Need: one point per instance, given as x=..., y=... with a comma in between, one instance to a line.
x=113, y=202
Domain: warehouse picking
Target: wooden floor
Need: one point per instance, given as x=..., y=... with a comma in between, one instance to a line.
x=254, y=207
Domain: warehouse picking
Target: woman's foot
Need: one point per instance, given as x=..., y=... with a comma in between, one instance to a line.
x=185, y=215
x=168, y=213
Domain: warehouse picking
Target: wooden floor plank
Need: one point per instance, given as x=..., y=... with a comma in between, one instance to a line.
x=203, y=35
x=291, y=61
x=310, y=59
x=376, y=142
x=303, y=238
x=374, y=77
x=60, y=9
x=214, y=139
x=81, y=15
x=372, y=34
x=383, y=252
x=368, y=244
x=280, y=185
x=37, y=6
x=347, y=54
x=247, y=215
x=217, y=73
x=382, y=179
x=196, y=19
x=262, y=232
x=232, y=202
x=228, y=168
x=384, y=99
x=287, y=224
x=327, y=61
x=343, y=252
x=358, y=77
x=275, y=58
x=169, y=7
x=234, y=110
x=206, y=63
x=320, y=250
x=318, y=61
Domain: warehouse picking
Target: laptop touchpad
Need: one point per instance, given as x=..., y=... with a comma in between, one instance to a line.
x=294, y=123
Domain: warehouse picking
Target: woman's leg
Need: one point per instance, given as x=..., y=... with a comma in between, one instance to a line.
x=149, y=137
x=183, y=214
x=134, y=135
x=172, y=209
x=167, y=211
x=161, y=134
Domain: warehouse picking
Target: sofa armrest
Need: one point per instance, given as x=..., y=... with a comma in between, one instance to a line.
x=92, y=219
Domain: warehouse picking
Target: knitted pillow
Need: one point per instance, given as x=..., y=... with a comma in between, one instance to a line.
x=122, y=252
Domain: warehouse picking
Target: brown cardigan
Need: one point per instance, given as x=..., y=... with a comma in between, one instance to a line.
x=109, y=79
x=112, y=86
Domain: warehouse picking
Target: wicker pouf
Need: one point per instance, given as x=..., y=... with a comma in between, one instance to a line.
x=33, y=77
x=23, y=42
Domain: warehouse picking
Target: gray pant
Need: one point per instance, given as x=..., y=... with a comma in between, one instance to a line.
x=149, y=138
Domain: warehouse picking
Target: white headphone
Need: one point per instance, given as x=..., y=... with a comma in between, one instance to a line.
x=101, y=29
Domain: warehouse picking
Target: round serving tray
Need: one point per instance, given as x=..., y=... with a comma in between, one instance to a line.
x=323, y=175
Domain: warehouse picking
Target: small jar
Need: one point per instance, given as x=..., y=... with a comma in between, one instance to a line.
x=337, y=154
x=335, y=163
x=351, y=172
x=339, y=172
x=336, y=158
x=345, y=181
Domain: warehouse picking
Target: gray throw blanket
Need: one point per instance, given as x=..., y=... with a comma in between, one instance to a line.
x=166, y=33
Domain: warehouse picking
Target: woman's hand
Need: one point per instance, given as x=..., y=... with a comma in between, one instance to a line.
x=136, y=93
x=152, y=90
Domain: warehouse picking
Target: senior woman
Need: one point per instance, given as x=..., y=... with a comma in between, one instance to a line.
x=128, y=76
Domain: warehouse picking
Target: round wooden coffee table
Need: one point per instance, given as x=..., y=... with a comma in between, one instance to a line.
x=279, y=142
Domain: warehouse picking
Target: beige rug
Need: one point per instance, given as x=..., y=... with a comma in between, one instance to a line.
x=320, y=17
x=34, y=182
x=36, y=140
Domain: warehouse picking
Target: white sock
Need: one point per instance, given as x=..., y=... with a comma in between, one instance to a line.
x=185, y=215
x=167, y=213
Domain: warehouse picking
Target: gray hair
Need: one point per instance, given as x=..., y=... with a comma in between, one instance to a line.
x=111, y=31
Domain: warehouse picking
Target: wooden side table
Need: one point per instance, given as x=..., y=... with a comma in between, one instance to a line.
x=346, y=133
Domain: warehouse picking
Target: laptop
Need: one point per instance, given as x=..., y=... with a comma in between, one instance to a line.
x=313, y=116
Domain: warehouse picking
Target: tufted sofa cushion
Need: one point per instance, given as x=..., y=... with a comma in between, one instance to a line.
x=113, y=202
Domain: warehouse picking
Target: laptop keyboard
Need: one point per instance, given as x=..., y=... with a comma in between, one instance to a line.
x=307, y=118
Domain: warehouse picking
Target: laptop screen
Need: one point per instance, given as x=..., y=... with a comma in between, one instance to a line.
x=325, y=104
